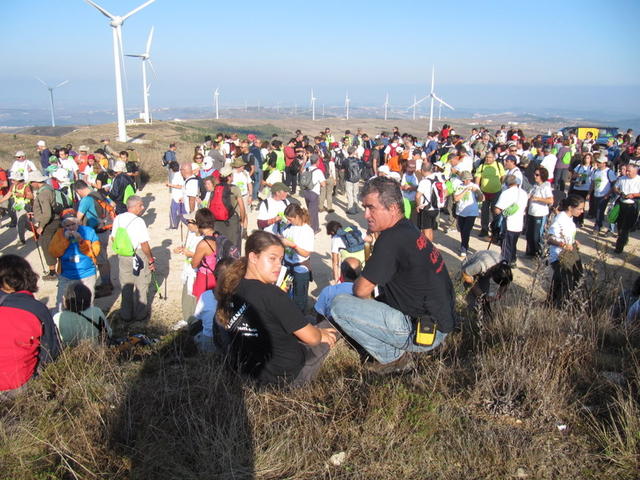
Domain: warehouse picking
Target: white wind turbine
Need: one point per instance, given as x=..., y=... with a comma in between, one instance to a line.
x=347, y=102
x=146, y=86
x=313, y=106
x=414, y=107
x=433, y=97
x=386, y=106
x=216, y=102
x=51, y=89
x=116, y=24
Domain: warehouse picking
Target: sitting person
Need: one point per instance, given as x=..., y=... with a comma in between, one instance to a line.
x=340, y=237
x=626, y=299
x=269, y=337
x=28, y=337
x=350, y=270
x=77, y=246
x=414, y=294
x=477, y=272
x=79, y=320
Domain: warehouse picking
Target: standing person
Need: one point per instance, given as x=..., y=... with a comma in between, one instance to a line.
x=255, y=153
x=326, y=192
x=414, y=288
x=28, y=337
x=204, y=258
x=45, y=220
x=489, y=177
x=122, y=187
x=188, y=299
x=130, y=241
x=466, y=195
x=68, y=163
x=312, y=195
x=540, y=199
x=581, y=182
x=44, y=153
x=170, y=155
x=242, y=179
x=109, y=152
x=23, y=166
x=271, y=341
x=563, y=256
x=562, y=175
x=430, y=197
x=602, y=181
x=176, y=185
x=190, y=189
x=512, y=203
x=228, y=208
x=298, y=238
x=20, y=197
x=409, y=186
x=77, y=246
x=548, y=161
x=271, y=209
x=353, y=174
x=628, y=187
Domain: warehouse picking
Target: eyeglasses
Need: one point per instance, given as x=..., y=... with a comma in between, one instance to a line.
x=536, y=174
x=199, y=158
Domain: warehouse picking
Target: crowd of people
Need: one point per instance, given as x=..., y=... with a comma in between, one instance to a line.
x=246, y=294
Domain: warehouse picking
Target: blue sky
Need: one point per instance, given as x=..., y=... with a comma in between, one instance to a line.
x=275, y=51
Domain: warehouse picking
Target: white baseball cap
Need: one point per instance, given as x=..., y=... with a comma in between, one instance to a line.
x=20, y=153
x=41, y=143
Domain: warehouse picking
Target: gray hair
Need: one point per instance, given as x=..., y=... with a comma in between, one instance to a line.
x=427, y=167
x=388, y=191
x=510, y=180
x=133, y=200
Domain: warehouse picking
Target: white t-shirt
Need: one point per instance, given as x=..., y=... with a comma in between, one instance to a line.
x=69, y=164
x=25, y=166
x=537, y=209
x=190, y=189
x=317, y=177
x=465, y=165
x=562, y=229
x=602, y=181
x=516, y=172
x=467, y=206
x=549, y=162
x=242, y=180
x=175, y=178
x=509, y=197
x=409, y=179
x=270, y=208
x=583, y=179
x=302, y=236
x=135, y=226
x=628, y=185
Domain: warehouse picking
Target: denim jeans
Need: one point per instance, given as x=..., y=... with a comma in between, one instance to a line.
x=600, y=207
x=535, y=234
x=257, y=180
x=486, y=213
x=300, y=289
x=384, y=332
x=509, y=246
x=313, y=203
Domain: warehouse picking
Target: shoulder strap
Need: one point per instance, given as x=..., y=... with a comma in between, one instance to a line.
x=99, y=326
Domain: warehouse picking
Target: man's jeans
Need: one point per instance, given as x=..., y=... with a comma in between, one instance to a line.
x=257, y=180
x=384, y=332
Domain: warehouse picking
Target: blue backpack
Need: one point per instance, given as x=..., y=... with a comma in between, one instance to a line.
x=352, y=238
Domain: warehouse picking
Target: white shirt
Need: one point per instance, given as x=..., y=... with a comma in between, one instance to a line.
x=135, y=226
x=602, y=181
x=188, y=272
x=549, y=162
x=175, y=178
x=537, y=209
x=583, y=179
x=465, y=165
x=190, y=189
x=516, y=172
x=302, y=236
x=467, y=206
x=628, y=185
x=563, y=229
x=509, y=197
x=24, y=166
x=242, y=180
x=270, y=208
x=69, y=164
x=409, y=179
x=317, y=178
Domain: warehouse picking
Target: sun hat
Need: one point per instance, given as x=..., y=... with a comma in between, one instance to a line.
x=37, y=177
x=279, y=187
x=465, y=175
x=41, y=143
x=226, y=171
x=237, y=162
x=19, y=153
x=16, y=176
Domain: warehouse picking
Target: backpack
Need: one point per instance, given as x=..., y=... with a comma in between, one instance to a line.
x=129, y=191
x=352, y=238
x=340, y=160
x=60, y=201
x=498, y=227
x=526, y=184
x=306, y=179
x=438, y=193
x=225, y=248
x=220, y=203
x=354, y=170
x=104, y=211
x=122, y=244
x=202, y=190
x=566, y=158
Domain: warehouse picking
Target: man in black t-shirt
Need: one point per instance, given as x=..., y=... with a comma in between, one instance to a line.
x=408, y=277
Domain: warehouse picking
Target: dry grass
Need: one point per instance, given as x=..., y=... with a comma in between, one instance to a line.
x=534, y=392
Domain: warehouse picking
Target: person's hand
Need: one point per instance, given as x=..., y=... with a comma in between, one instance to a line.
x=568, y=247
x=76, y=235
x=328, y=336
x=178, y=250
x=287, y=242
x=152, y=267
x=39, y=231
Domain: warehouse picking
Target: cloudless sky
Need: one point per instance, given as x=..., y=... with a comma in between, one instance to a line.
x=276, y=51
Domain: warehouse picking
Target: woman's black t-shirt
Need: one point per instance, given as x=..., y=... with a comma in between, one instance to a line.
x=261, y=332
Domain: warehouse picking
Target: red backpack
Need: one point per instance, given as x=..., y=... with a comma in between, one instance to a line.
x=220, y=204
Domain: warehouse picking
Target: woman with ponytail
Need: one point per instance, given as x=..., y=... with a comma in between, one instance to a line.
x=270, y=339
x=563, y=252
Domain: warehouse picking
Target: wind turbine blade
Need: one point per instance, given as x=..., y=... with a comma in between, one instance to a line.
x=136, y=10
x=100, y=9
x=418, y=102
x=155, y=74
x=149, y=42
x=134, y=55
x=433, y=78
x=436, y=98
x=42, y=82
x=61, y=84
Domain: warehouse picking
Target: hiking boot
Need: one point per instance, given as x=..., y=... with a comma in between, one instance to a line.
x=331, y=210
x=49, y=277
x=400, y=365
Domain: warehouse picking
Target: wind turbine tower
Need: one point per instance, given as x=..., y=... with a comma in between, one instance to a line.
x=414, y=107
x=386, y=106
x=116, y=22
x=313, y=106
x=51, y=89
x=145, y=86
x=216, y=102
x=347, y=102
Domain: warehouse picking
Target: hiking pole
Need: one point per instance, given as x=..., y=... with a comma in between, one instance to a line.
x=35, y=238
x=155, y=282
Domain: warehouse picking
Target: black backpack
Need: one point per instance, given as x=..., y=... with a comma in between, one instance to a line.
x=201, y=188
x=225, y=248
x=354, y=170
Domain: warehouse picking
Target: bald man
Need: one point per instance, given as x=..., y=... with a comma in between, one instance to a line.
x=191, y=189
x=350, y=269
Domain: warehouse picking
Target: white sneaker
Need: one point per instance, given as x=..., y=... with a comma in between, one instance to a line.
x=179, y=325
x=463, y=252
